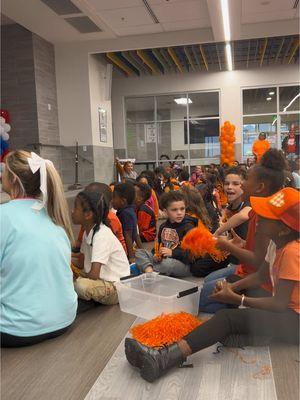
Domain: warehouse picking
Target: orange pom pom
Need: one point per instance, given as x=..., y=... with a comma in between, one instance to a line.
x=165, y=329
x=200, y=242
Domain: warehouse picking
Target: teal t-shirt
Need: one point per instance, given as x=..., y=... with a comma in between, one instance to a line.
x=37, y=292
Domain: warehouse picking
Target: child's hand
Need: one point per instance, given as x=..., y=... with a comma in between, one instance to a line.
x=165, y=252
x=237, y=240
x=156, y=258
x=224, y=293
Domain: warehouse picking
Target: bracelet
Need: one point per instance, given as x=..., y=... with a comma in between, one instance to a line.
x=242, y=301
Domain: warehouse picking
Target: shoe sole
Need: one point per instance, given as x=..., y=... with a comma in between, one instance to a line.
x=142, y=361
x=132, y=353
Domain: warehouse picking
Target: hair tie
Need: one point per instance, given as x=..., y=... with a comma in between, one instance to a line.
x=36, y=163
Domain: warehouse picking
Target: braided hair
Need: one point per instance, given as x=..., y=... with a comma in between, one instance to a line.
x=97, y=204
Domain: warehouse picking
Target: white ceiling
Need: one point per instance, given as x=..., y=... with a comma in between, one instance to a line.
x=122, y=18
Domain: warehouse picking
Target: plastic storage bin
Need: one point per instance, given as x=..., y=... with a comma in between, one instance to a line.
x=149, y=295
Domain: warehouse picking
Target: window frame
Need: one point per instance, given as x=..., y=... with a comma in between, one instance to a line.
x=186, y=119
x=278, y=113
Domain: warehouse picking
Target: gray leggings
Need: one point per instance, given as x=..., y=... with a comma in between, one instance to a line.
x=168, y=266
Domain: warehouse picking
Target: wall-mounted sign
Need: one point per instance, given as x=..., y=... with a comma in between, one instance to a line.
x=102, y=125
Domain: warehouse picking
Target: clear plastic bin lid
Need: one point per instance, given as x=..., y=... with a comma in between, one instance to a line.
x=158, y=284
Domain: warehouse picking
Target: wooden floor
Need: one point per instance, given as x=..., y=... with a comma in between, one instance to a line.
x=67, y=367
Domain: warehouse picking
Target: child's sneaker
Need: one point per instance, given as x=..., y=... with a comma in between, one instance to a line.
x=134, y=269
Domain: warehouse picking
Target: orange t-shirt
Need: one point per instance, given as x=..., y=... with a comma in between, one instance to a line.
x=286, y=266
x=244, y=270
x=259, y=148
x=117, y=229
x=155, y=204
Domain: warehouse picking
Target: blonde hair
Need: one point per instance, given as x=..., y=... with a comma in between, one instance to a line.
x=195, y=205
x=24, y=183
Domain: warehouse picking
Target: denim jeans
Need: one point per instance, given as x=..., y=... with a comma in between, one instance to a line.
x=211, y=306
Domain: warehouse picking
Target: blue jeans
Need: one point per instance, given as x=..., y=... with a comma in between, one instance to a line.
x=211, y=306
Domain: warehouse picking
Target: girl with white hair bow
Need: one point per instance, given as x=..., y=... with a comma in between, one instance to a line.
x=38, y=300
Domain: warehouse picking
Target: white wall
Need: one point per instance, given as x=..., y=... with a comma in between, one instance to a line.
x=73, y=97
x=228, y=82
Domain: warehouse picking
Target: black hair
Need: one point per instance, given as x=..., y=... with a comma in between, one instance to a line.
x=271, y=169
x=95, y=202
x=101, y=188
x=170, y=197
x=236, y=171
x=125, y=191
x=145, y=190
x=184, y=175
x=150, y=178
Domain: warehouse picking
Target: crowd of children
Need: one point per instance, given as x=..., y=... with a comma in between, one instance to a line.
x=251, y=212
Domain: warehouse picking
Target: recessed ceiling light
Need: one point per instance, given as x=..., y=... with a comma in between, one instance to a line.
x=183, y=101
x=271, y=93
x=269, y=98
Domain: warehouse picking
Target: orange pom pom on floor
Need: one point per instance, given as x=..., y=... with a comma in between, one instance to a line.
x=165, y=329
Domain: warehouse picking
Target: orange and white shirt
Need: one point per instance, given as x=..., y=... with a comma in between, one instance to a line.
x=286, y=266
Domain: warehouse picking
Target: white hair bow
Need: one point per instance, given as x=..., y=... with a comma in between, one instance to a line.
x=38, y=163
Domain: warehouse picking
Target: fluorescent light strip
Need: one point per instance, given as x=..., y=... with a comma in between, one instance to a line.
x=183, y=101
x=228, y=56
x=226, y=24
x=291, y=102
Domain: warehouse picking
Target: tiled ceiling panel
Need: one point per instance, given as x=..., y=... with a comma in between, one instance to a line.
x=100, y=5
x=126, y=17
x=263, y=10
x=180, y=11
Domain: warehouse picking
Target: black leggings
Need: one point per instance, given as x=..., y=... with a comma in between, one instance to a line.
x=282, y=326
x=19, y=341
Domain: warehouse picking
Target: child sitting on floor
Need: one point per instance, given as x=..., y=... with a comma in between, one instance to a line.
x=105, y=261
x=114, y=221
x=183, y=178
x=123, y=202
x=38, y=300
x=272, y=318
x=171, y=259
x=145, y=215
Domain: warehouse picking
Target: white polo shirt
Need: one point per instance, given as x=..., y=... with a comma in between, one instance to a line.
x=106, y=250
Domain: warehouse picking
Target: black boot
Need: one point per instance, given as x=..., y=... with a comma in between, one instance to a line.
x=152, y=362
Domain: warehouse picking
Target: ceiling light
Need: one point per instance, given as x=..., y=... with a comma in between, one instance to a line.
x=228, y=56
x=183, y=101
x=226, y=24
x=271, y=93
x=291, y=102
x=269, y=98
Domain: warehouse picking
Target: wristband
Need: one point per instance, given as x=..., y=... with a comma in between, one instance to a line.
x=242, y=301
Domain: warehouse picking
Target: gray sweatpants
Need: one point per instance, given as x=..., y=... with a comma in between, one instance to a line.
x=167, y=266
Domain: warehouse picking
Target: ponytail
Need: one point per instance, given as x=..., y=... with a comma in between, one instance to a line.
x=24, y=182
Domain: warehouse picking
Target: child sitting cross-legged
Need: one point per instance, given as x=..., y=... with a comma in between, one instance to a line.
x=145, y=215
x=169, y=259
x=123, y=202
x=104, y=261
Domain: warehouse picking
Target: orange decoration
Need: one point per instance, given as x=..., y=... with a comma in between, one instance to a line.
x=227, y=140
x=200, y=242
x=165, y=329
